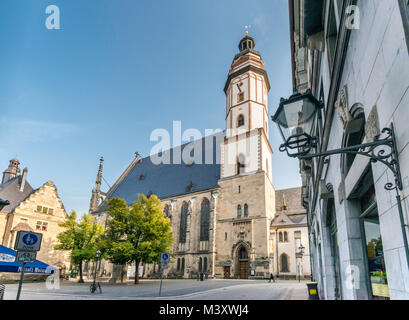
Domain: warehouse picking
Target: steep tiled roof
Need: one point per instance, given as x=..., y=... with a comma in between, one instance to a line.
x=10, y=191
x=169, y=180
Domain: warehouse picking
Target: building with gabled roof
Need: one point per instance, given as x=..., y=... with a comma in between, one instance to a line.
x=37, y=210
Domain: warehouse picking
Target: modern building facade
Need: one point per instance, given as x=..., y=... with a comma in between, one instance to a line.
x=353, y=56
x=218, y=191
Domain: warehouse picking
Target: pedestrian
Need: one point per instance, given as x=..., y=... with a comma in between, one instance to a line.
x=271, y=278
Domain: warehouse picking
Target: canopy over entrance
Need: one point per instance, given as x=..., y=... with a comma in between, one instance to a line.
x=7, y=264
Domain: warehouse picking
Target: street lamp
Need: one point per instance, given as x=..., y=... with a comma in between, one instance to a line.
x=300, y=255
x=94, y=285
x=296, y=118
x=3, y=203
x=296, y=122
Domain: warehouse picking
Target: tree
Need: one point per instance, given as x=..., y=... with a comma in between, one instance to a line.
x=138, y=233
x=81, y=237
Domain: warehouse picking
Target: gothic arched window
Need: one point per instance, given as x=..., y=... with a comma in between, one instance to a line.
x=284, y=263
x=183, y=223
x=200, y=264
x=240, y=121
x=166, y=210
x=239, y=211
x=205, y=264
x=246, y=210
x=280, y=237
x=178, y=265
x=285, y=236
x=205, y=220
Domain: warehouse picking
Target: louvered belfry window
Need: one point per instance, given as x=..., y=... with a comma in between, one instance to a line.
x=205, y=220
x=183, y=223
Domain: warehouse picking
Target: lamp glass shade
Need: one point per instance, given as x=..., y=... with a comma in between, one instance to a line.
x=296, y=116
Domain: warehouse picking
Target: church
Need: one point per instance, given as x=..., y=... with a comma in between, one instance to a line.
x=222, y=203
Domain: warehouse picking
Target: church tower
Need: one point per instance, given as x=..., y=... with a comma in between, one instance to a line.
x=246, y=205
x=246, y=148
x=96, y=192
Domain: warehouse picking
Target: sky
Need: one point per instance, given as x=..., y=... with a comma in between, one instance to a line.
x=117, y=70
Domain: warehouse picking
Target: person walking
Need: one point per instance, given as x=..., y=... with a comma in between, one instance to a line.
x=271, y=278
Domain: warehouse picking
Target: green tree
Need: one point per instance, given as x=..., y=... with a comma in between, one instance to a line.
x=138, y=233
x=82, y=237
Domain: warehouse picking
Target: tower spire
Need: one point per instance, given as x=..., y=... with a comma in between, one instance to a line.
x=96, y=191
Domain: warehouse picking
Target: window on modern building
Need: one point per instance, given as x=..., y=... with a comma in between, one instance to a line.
x=239, y=211
x=354, y=135
x=205, y=220
x=332, y=34
x=285, y=236
x=284, y=263
x=246, y=210
x=240, y=121
x=280, y=237
x=240, y=97
x=183, y=223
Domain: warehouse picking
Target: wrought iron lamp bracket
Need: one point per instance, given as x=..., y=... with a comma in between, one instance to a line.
x=380, y=150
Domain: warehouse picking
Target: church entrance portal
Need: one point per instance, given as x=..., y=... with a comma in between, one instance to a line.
x=243, y=263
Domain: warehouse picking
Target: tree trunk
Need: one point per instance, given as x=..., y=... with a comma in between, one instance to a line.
x=136, y=271
x=81, y=280
x=122, y=273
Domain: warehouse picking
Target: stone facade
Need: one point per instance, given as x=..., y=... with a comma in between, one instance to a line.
x=361, y=73
x=238, y=193
x=39, y=210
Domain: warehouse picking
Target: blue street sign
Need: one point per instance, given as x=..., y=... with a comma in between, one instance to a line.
x=164, y=257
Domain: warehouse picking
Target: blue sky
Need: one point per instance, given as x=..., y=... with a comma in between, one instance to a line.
x=117, y=70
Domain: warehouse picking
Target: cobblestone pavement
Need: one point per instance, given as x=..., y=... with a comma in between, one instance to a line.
x=171, y=289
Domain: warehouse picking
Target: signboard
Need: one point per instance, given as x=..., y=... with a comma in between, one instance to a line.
x=4, y=257
x=26, y=256
x=164, y=258
x=28, y=241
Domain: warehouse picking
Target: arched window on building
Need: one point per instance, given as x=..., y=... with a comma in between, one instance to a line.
x=240, y=121
x=205, y=220
x=241, y=164
x=354, y=134
x=284, y=263
x=183, y=223
x=183, y=266
x=280, y=237
x=200, y=264
x=178, y=265
x=246, y=210
x=166, y=211
x=285, y=236
x=205, y=264
x=239, y=211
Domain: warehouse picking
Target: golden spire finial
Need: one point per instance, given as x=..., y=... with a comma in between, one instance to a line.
x=247, y=30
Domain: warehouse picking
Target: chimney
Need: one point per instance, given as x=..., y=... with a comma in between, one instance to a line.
x=23, y=179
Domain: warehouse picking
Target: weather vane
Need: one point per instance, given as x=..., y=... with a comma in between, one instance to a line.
x=247, y=29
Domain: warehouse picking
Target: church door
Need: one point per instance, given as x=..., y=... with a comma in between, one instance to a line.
x=227, y=272
x=243, y=263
